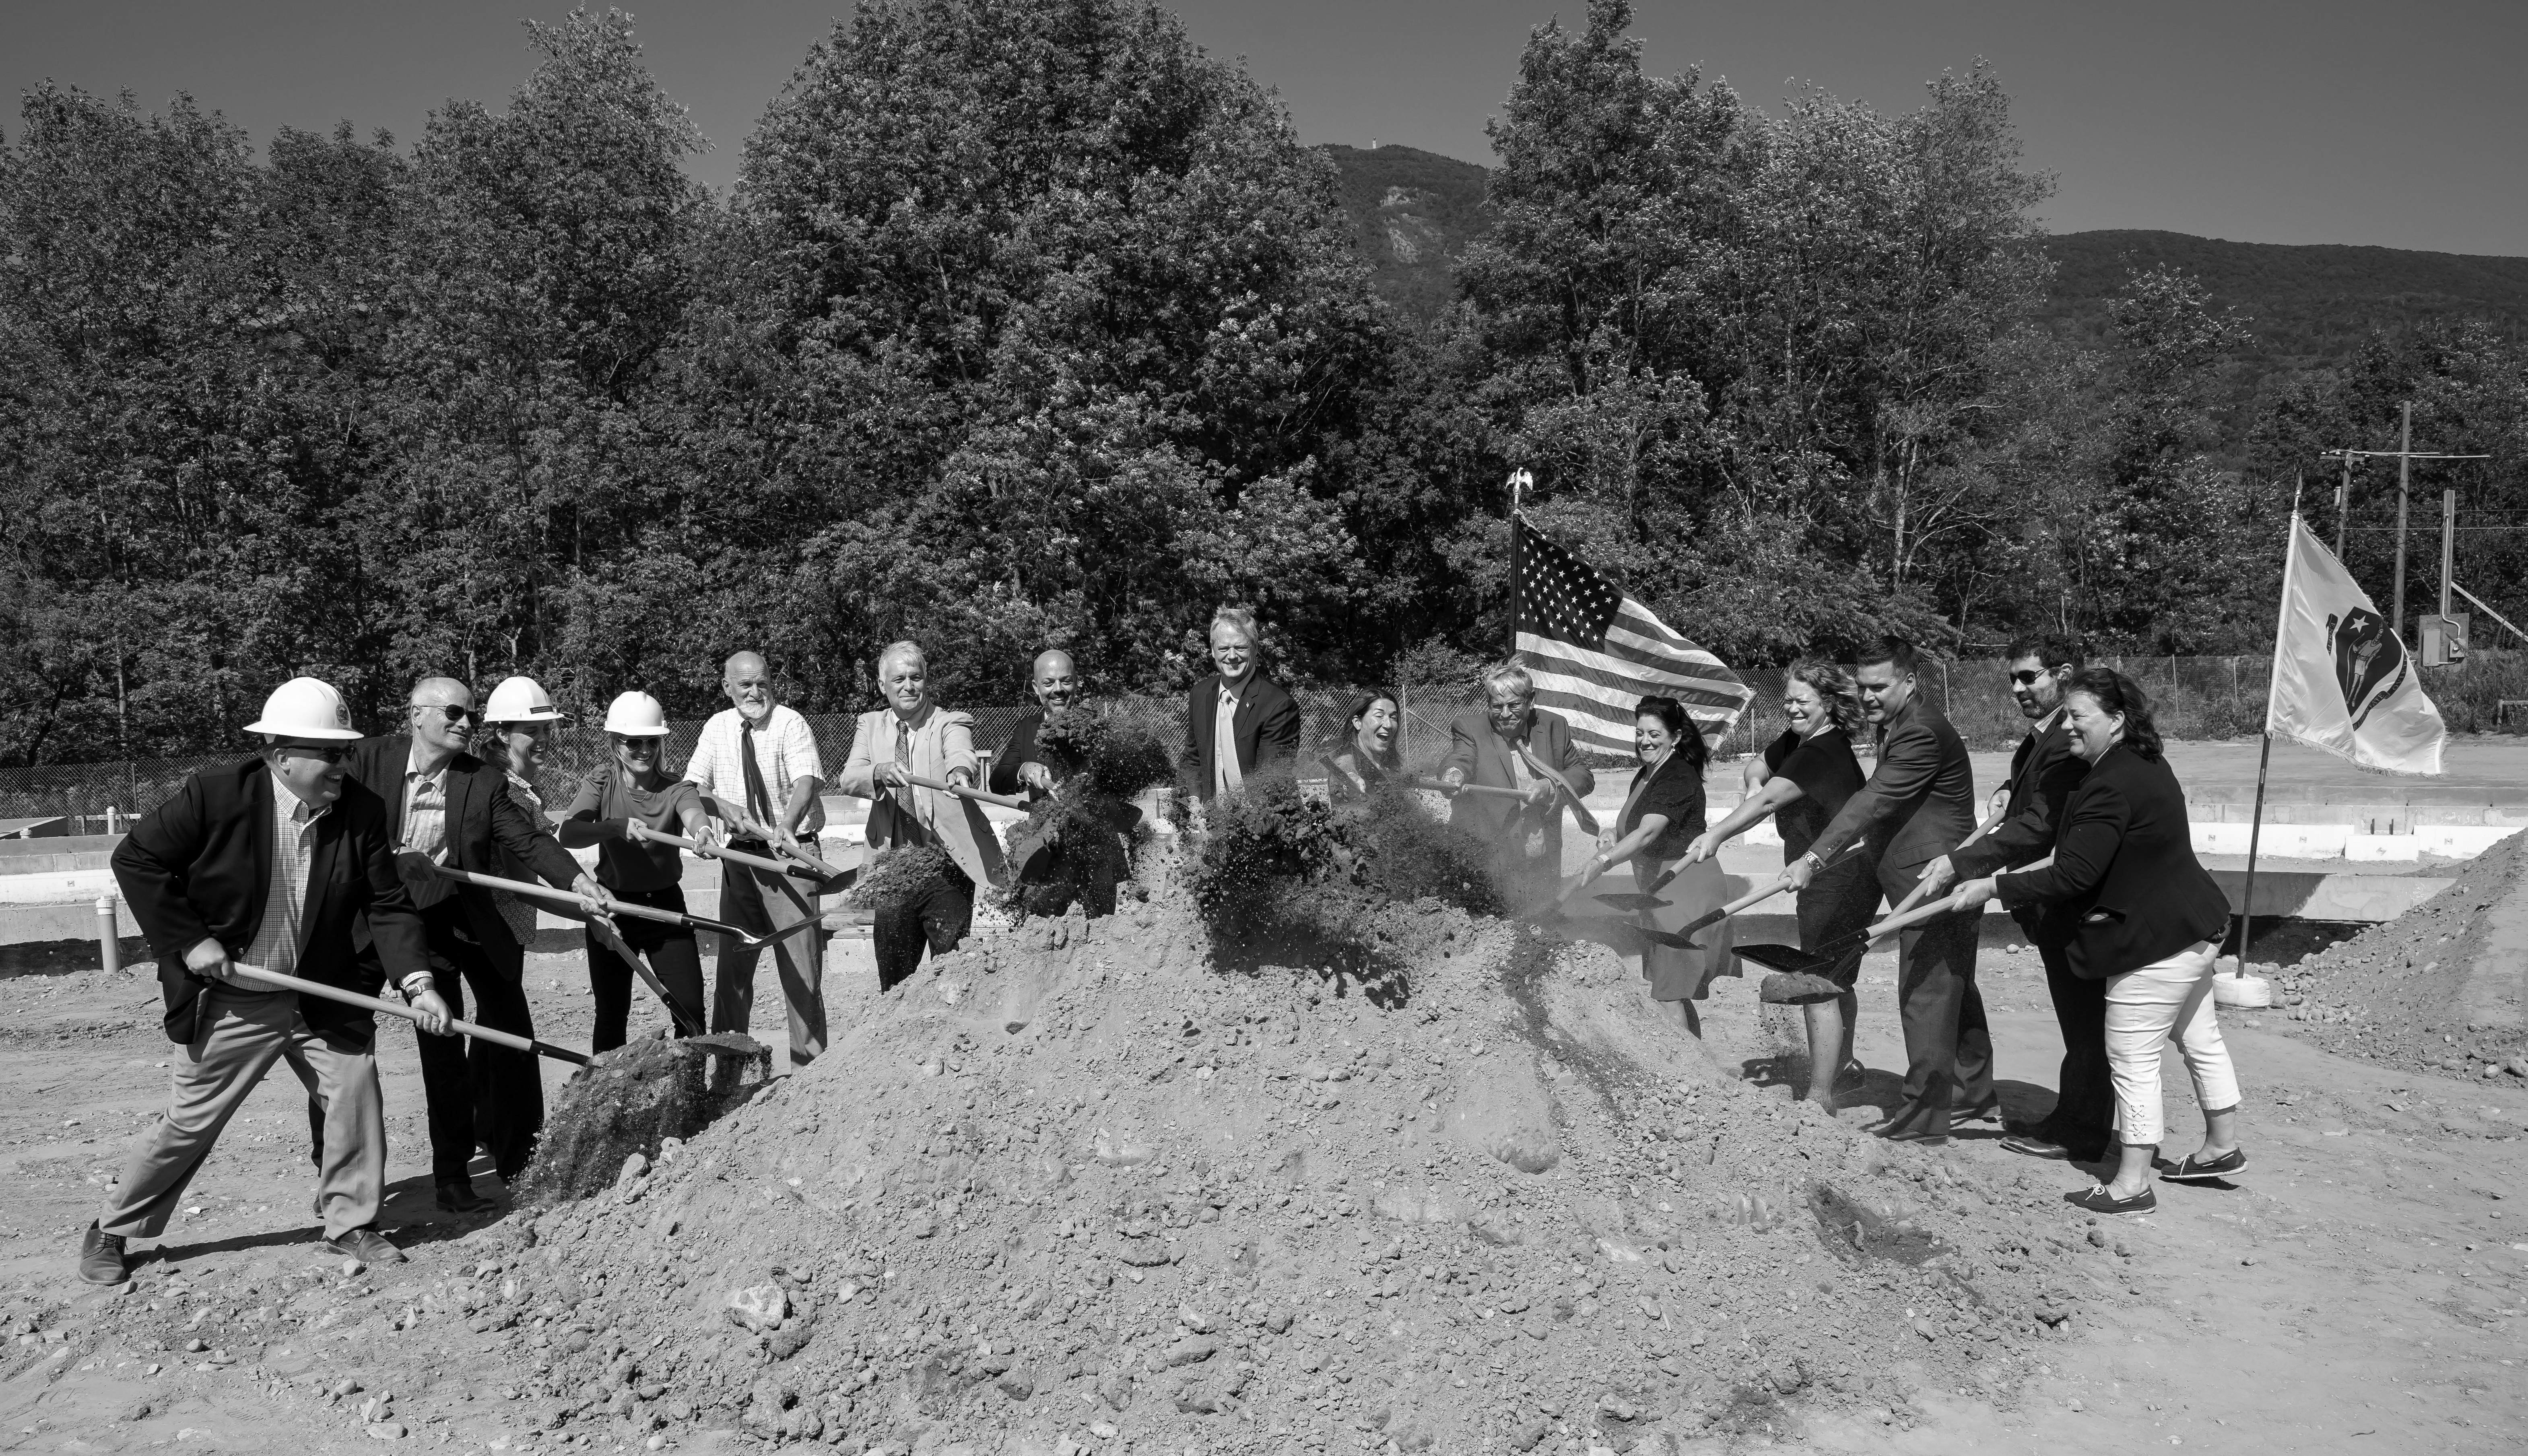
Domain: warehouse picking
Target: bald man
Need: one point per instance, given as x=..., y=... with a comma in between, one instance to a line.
x=914, y=737
x=453, y=807
x=1055, y=682
x=758, y=773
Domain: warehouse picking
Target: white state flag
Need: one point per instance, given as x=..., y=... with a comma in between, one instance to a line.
x=2342, y=680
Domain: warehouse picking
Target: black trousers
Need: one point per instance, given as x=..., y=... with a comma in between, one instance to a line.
x=939, y=920
x=2084, y=1118
x=1948, y=1044
x=673, y=956
x=475, y=1092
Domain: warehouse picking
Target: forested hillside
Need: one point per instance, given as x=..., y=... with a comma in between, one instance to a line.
x=1032, y=324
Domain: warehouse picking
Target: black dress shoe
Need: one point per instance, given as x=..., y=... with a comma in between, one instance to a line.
x=101, y=1259
x=457, y=1196
x=367, y=1245
x=1894, y=1134
x=2031, y=1144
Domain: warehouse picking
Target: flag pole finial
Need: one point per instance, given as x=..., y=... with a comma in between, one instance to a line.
x=1520, y=483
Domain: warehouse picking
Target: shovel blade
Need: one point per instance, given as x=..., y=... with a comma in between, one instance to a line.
x=1790, y=960
x=1630, y=903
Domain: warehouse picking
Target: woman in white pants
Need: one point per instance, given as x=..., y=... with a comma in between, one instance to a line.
x=2140, y=913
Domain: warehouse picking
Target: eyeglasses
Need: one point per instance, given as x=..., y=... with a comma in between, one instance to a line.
x=455, y=713
x=2027, y=677
x=323, y=753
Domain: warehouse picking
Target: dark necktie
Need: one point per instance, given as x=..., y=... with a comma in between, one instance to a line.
x=757, y=801
x=904, y=760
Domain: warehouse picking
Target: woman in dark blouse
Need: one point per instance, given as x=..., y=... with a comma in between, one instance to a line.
x=1660, y=816
x=1801, y=781
x=1366, y=754
x=638, y=786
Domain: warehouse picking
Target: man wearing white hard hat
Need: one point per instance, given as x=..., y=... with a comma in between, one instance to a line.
x=636, y=788
x=269, y=863
x=453, y=808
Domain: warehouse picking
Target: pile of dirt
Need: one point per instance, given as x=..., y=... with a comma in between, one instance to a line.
x=2396, y=993
x=1072, y=1185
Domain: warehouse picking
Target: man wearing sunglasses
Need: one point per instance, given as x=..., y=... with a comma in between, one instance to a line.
x=269, y=862
x=2043, y=771
x=451, y=808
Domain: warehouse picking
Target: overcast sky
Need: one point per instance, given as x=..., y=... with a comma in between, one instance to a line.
x=2258, y=120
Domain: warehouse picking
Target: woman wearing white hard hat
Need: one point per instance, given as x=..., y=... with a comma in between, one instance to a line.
x=515, y=720
x=638, y=786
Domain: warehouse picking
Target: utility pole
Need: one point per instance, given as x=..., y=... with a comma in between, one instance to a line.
x=2405, y=477
x=2406, y=456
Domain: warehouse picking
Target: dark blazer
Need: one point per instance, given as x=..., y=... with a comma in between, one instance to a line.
x=1920, y=800
x=483, y=823
x=2043, y=772
x=199, y=866
x=1266, y=729
x=1019, y=751
x=2125, y=871
x=1485, y=756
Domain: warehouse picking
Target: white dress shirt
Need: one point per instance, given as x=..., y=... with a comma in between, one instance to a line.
x=1225, y=775
x=785, y=751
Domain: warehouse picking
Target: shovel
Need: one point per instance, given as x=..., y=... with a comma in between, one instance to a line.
x=825, y=884
x=418, y=870
x=979, y=795
x=1493, y=790
x=510, y=1039
x=1793, y=960
x=789, y=850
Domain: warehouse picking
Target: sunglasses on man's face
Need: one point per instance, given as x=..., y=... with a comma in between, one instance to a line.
x=2025, y=677
x=455, y=712
x=329, y=752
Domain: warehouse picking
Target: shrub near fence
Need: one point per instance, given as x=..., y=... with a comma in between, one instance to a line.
x=2192, y=698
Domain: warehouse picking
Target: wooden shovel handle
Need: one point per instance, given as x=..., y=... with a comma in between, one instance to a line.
x=984, y=795
x=304, y=987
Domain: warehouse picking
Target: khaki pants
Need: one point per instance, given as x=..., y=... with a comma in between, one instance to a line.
x=239, y=1037
x=760, y=900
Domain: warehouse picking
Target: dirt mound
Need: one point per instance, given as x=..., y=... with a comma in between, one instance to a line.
x=2395, y=994
x=1072, y=1184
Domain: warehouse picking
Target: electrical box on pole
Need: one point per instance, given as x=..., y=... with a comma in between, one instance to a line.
x=2444, y=640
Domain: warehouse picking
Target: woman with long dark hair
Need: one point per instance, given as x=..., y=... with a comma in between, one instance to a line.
x=2146, y=918
x=1366, y=754
x=1662, y=815
x=1802, y=780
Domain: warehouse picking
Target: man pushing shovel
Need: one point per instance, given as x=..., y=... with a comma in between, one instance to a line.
x=269, y=862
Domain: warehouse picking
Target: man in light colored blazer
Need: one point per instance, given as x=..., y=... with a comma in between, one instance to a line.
x=914, y=735
x=1512, y=743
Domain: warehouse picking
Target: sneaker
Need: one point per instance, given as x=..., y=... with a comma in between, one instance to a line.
x=101, y=1260
x=2098, y=1200
x=367, y=1245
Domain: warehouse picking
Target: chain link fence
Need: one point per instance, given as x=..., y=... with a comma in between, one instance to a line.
x=2192, y=698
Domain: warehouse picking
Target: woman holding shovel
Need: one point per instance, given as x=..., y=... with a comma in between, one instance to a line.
x=1801, y=781
x=636, y=787
x=1660, y=816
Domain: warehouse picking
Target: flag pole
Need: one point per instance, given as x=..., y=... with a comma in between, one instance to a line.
x=1519, y=481
x=2265, y=755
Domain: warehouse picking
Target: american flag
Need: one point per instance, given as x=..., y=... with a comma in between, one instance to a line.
x=1595, y=652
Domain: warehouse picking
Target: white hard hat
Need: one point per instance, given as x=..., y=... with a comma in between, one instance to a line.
x=304, y=707
x=636, y=715
x=520, y=700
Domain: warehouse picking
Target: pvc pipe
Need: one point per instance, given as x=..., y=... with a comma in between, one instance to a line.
x=109, y=944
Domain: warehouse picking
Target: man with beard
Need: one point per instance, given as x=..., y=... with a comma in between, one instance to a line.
x=758, y=773
x=1018, y=766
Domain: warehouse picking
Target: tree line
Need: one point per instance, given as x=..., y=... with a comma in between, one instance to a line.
x=1028, y=322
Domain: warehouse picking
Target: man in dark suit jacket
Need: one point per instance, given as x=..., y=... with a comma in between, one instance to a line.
x=1920, y=800
x=1512, y=743
x=269, y=862
x=1017, y=767
x=2045, y=770
x=453, y=807
x=1261, y=728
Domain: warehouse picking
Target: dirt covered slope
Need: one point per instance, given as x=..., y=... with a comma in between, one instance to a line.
x=1072, y=1184
x=2398, y=992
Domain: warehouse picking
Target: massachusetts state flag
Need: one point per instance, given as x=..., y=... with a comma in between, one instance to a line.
x=2342, y=680
x=1595, y=652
